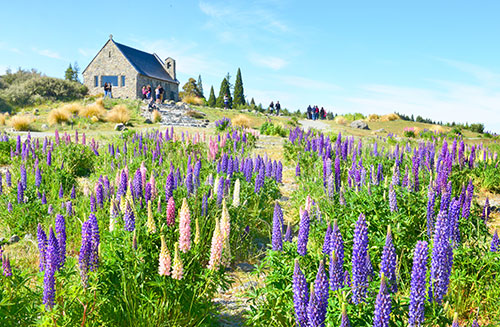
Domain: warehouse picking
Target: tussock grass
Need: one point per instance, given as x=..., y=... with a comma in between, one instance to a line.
x=373, y=118
x=119, y=114
x=195, y=114
x=94, y=119
x=58, y=116
x=92, y=110
x=241, y=121
x=390, y=117
x=72, y=108
x=100, y=102
x=156, y=116
x=438, y=129
x=340, y=120
x=2, y=119
x=21, y=122
x=190, y=99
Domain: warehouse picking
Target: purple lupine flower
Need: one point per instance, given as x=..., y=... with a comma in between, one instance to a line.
x=468, y=200
x=417, y=294
x=42, y=246
x=148, y=192
x=297, y=169
x=24, y=178
x=122, y=188
x=288, y=234
x=383, y=306
x=220, y=190
x=336, y=272
x=99, y=195
x=495, y=243
x=279, y=172
x=359, y=254
x=92, y=203
x=486, y=210
x=7, y=270
x=303, y=236
x=455, y=320
x=94, y=251
x=388, y=264
x=330, y=186
x=52, y=256
x=277, y=240
x=9, y=207
x=345, y=319
x=453, y=222
x=129, y=218
x=38, y=176
x=50, y=209
x=337, y=174
x=85, y=250
x=446, y=198
x=393, y=203
x=137, y=190
x=61, y=192
x=44, y=198
x=8, y=178
x=442, y=259
x=20, y=192
x=73, y=195
x=475, y=323
x=337, y=244
x=69, y=208
x=318, y=302
x=197, y=170
x=430, y=210
x=189, y=180
x=204, y=205
x=61, y=237
x=169, y=186
x=300, y=296
x=341, y=196
x=327, y=240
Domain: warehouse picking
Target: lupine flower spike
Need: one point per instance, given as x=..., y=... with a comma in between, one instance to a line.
x=177, y=268
x=383, y=306
x=151, y=221
x=216, y=248
x=300, y=296
x=164, y=261
x=184, y=227
x=418, y=284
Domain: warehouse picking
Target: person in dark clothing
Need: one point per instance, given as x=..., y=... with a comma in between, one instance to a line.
x=322, y=113
x=162, y=92
x=107, y=90
x=278, y=108
x=316, y=113
x=309, y=116
x=271, y=107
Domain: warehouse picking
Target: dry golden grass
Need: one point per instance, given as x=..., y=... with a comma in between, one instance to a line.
x=340, y=120
x=195, y=114
x=438, y=129
x=373, y=117
x=241, y=121
x=2, y=119
x=390, y=117
x=72, y=108
x=94, y=119
x=100, y=102
x=156, y=116
x=58, y=116
x=189, y=99
x=92, y=110
x=119, y=114
x=21, y=122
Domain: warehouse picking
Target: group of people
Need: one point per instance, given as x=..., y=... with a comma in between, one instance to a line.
x=276, y=106
x=107, y=90
x=315, y=113
x=147, y=94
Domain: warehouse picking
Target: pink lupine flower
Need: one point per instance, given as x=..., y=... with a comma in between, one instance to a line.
x=154, y=191
x=308, y=203
x=164, y=262
x=225, y=228
x=171, y=212
x=177, y=268
x=144, y=172
x=185, y=227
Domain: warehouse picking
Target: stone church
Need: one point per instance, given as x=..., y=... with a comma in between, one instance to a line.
x=128, y=70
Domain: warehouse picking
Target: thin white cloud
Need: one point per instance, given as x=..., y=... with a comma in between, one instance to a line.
x=5, y=46
x=272, y=62
x=87, y=52
x=48, y=53
x=482, y=74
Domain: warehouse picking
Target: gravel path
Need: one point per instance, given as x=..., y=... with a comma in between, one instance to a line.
x=316, y=124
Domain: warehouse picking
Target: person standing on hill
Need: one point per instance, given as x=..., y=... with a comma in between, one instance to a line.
x=322, y=114
x=106, y=90
x=309, y=112
x=144, y=92
x=226, y=101
x=271, y=107
x=157, y=94
x=278, y=108
x=162, y=92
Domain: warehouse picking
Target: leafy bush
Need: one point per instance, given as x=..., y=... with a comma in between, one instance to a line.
x=268, y=128
x=409, y=132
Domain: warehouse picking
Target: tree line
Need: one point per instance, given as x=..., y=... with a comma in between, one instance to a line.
x=476, y=128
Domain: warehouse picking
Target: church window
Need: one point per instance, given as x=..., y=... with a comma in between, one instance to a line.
x=123, y=80
x=96, y=81
x=109, y=79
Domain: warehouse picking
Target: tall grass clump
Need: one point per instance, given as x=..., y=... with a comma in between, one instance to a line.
x=72, y=108
x=373, y=117
x=340, y=120
x=93, y=110
x=21, y=122
x=194, y=100
x=156, y=116
x=241, y=121
x=2, y=119
x=390, y=117
x=58, y=116
x=119, y=114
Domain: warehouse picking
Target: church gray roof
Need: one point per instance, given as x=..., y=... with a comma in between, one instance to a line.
x=145, y=63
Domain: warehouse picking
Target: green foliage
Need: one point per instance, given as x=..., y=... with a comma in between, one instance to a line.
x=354, y=116
x=211, y=98
x=239, y=97
x=200, y=86
x=268, y=128
x=71, y=73
x=224, y=90
x=191, y=88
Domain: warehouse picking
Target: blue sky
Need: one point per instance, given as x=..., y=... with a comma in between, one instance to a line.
x=437, y=59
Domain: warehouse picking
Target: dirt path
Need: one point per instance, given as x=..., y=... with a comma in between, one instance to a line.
x=316, y=124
